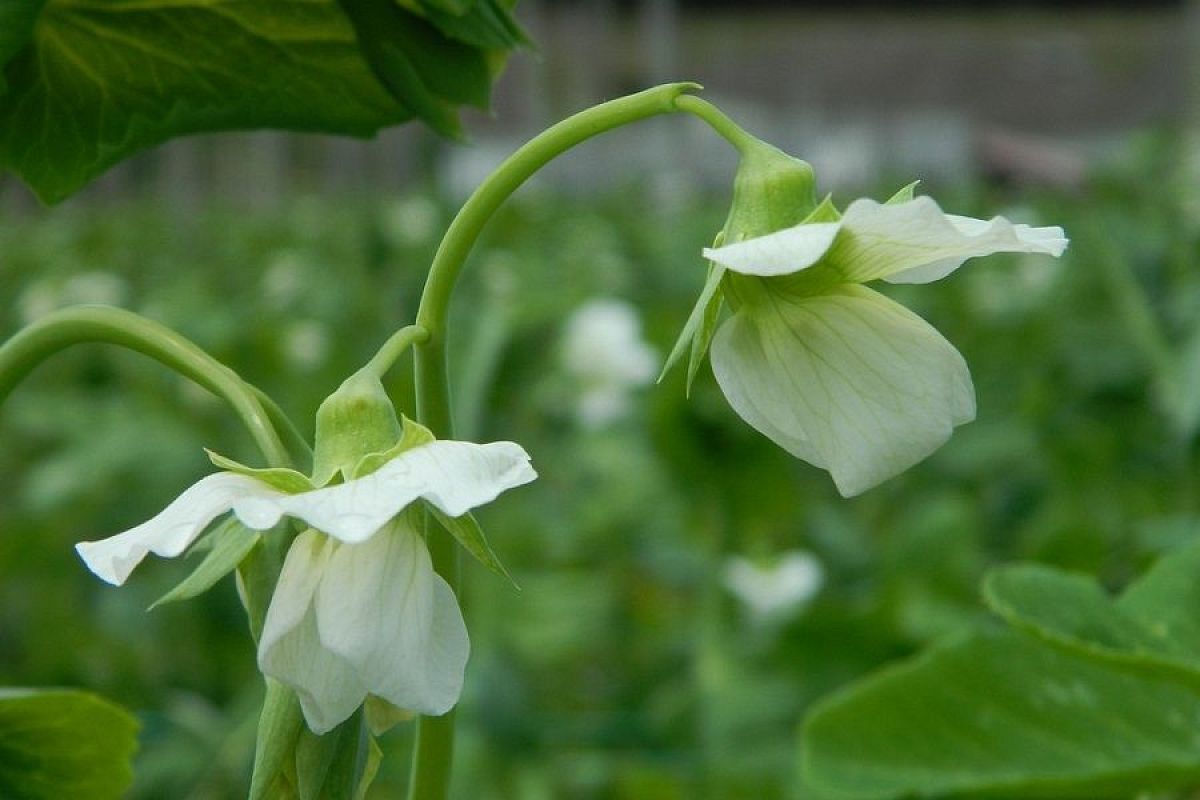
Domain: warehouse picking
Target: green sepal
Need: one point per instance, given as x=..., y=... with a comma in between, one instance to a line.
x=61, y=743
x=467, y=531
x=701, y=323
x=281, y=478
x=227, y=545
x=825, y=211
x=356, y=420
x=905, y=194
x=279, y=728
x=771, y=191
x=382, y=716
x=413, y=434
x=328, y=767
x=370, y=769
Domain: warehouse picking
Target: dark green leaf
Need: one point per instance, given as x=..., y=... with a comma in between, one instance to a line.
x=57, y=744
x=1004, y=714
x=488, y=25
x=424, y=71
x=229, y=543
x=102, y=79
x=16, y=29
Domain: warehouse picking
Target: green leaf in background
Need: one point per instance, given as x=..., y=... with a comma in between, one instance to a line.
x=1089, y=697
x=423, y=70
x=1005, y=715
x=58, y=743
x=102, y=79
x=1074, y=611
x=229, y=543
x=16, y=29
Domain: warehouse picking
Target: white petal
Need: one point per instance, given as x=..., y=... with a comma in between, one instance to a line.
x=915, y=242
x=290, y=650
x=170, y=532
x=382, y=608
x=849, y=381
x=454, y=476
x=780, y=253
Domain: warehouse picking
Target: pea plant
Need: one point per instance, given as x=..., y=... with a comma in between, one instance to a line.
x=346, y=550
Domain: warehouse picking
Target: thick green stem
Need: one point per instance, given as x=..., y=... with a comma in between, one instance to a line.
x=435, y=735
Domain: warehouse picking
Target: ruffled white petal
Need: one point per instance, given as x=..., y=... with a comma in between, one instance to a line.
x=454, y=476
x=780, y=253
x=849, y=381
x=170, y=532
x=382, y=608
x=290, y=650
x=910, y=242
x=915, y=242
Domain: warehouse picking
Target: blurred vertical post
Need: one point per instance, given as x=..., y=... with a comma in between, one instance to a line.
x=1190, y=173
x=658, y=23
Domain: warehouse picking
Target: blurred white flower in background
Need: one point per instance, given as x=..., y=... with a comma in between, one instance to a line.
x=774, y=590
x=604, y=351
x=412, y=220
x=306, y=344
x=285, y=279
x=96, y=286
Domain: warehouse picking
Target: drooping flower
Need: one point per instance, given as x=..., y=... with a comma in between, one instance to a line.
x=358, y=609
x=832, y=371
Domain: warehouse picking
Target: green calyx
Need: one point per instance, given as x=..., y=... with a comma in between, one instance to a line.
x=356, y=420
x=771, y=191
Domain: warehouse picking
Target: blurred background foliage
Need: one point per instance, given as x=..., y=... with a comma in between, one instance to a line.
x=688, y=589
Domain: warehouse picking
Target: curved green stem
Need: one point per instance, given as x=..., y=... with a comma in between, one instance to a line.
x=393, y=348
x=433, y=752
x=78, y=324
x=729, y=130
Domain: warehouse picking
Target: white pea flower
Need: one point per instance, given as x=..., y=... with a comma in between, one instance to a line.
x=358, y=609
x=834, y=372
x=604, y=350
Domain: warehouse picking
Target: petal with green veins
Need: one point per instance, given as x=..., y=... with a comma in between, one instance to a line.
x=847, y=380
x=329, y=686
x=174, y=528
x=382, y=608
x=915, y=242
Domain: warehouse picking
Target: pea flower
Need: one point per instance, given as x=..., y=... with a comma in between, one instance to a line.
x=832, y=371
x=358, y=609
